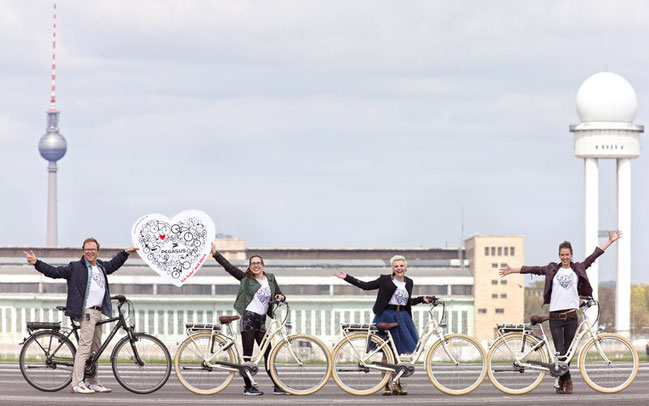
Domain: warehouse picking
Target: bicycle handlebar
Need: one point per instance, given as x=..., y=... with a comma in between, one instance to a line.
x=434, y=300
x=120, y=298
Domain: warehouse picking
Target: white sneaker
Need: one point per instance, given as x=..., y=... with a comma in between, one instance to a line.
x=97, y=387
x=82, y=388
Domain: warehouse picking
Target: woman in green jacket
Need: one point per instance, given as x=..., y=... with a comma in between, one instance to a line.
x=255, y=291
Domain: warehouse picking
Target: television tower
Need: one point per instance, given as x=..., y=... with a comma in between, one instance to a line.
x=52, y=147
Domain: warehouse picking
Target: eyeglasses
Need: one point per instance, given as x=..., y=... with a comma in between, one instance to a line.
x=256, y=263
x=90, y=250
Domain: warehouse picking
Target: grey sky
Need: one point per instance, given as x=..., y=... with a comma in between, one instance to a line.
x=317, y=124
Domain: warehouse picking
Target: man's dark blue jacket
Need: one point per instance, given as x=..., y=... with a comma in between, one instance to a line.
x=77, y=275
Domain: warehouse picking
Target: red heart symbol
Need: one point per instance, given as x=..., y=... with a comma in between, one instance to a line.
x=162, y=236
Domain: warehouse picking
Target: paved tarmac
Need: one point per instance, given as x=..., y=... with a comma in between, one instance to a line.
x=14, y=390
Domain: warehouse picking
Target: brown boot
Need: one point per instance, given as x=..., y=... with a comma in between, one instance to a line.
x=562, y=386
x=568, y=386
x=397, y=389
x=387, y=391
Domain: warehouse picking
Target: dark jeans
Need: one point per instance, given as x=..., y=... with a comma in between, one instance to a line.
x=563, y=331
x=254, y=324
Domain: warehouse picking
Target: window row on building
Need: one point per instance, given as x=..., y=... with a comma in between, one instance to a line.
x=499, y=251
x=300, y=290
x=498, y=311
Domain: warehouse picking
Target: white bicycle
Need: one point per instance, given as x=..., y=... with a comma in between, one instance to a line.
x=518, y=360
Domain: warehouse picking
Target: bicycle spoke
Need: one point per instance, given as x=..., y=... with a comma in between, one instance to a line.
x=300, y=366
x=608, y=364
x=456, y=365
x=350, y=375
x=148, y=376
x=504, y=371
x=46, y=361
x=193, y=369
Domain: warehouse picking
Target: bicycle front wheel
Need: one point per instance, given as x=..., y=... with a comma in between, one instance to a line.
x=196, y=362
x=355, y=377
x=141, y=366
x=505, y=364
x=46, y=360
x=608, y=363
x=456, y=364
x=301, y=365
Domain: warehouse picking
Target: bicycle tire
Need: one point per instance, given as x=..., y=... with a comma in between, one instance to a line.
x=303, y=377
x=608, y=377
x=345, y=361
x=37, y=366
x=506, y=376
x=463, y=377
x=146, y=378
x=192, y=370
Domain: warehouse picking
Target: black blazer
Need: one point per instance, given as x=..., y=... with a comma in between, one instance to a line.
x=386, y=289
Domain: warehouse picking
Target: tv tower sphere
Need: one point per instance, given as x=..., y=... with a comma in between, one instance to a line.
x=52, y=145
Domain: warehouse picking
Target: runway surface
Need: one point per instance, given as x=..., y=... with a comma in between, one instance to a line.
x=14, y=390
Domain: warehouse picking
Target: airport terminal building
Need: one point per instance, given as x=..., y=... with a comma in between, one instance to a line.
x=477, y=299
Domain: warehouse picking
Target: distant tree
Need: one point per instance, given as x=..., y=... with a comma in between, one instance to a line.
x=607, y=306
x=639, y=305
x=534, y=300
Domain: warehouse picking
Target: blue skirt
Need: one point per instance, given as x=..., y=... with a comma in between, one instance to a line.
x=405, y=335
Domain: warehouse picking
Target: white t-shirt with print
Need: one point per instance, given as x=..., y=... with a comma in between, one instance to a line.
x=400, y=296
x=564, y=290
x=97, y=288
x=259, y=302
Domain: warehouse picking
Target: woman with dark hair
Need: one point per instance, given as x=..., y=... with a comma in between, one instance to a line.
x=255, y=291
x=392, y=309
x=564, y=283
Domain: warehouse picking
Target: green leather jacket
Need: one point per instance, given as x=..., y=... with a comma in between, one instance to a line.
x=248, y=287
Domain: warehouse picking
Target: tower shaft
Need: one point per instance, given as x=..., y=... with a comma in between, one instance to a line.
x=51, y=205
x=623, y=285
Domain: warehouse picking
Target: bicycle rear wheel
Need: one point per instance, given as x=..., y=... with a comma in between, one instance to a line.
x=350, y=375
x=46, y=360
x=505, y=374
x=194, y=359
x=608, y=363
x=456, y=364
x=301, y=365
x=147, y=376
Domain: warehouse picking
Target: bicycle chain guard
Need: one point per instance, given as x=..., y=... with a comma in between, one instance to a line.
x=408, y=369
x=90, y=369
x=559, y=370
x=248, y=366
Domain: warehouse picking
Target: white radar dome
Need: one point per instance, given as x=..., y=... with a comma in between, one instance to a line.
x=606, y=96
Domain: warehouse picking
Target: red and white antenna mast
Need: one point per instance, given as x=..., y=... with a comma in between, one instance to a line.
x=53, y=99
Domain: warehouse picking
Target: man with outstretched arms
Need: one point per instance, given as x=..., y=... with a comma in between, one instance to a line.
x=88, y=298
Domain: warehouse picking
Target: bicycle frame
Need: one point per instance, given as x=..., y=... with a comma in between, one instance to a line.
x=585, y=328
x=275, y=328
x=121, y=324
x=431, y=327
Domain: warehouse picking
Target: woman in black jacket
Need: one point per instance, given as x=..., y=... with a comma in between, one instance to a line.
x=393, y=308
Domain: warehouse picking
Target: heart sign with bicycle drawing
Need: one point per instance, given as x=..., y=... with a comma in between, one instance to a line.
x=176, y=248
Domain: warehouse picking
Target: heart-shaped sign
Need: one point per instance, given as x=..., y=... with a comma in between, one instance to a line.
x=174, y=248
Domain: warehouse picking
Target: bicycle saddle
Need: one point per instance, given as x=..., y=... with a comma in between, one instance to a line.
x=227, y=319
x=384, y=325
x=538, y=319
